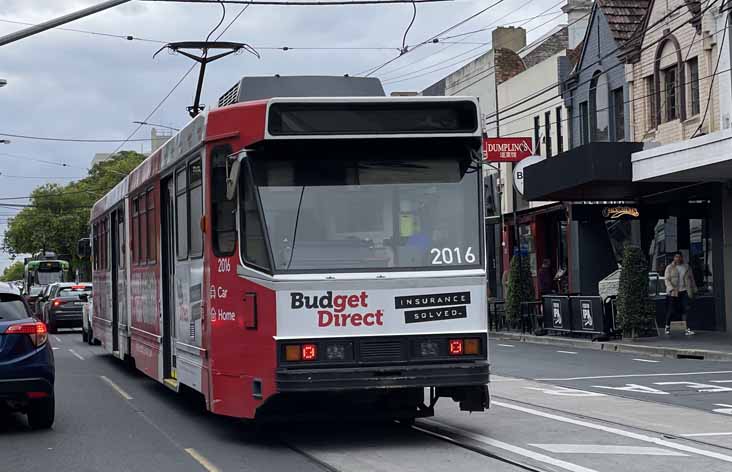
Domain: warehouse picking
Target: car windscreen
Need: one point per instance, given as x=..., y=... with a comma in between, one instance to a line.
x=355, y=210
x=35, y=291
x=12, y=307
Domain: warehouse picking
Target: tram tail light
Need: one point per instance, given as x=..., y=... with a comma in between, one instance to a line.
x=456, y=347
x=309, y=352
x=471, y=346
x=292, y=353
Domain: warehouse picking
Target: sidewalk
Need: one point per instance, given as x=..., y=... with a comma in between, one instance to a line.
x=707, y=345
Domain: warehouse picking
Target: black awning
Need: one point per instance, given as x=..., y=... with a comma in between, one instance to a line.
x=594, y=171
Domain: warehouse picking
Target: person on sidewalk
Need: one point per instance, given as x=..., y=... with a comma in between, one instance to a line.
x=546, y=279
x=680, y=288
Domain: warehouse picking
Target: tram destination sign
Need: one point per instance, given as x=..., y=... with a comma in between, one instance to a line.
x=507, y=149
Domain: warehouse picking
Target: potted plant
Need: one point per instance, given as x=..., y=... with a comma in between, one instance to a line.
x=635, y=312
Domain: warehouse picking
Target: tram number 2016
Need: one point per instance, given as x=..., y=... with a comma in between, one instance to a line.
x=452, y=256
x=224, y=265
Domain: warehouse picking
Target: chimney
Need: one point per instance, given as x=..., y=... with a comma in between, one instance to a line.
x=576, y=9
x=509, y=37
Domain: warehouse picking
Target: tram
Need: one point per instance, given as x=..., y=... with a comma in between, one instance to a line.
x=289, y=250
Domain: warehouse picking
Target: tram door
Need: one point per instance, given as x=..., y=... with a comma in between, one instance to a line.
x=114, y=258
x=168, y=268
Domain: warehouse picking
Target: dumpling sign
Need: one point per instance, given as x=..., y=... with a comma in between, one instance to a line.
x=507, y=149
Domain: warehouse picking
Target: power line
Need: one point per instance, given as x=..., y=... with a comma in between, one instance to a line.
x=305, y=3
x=42, y=161
x=71, y=140
x=373, y=70
x=180, y=81
x=127, y=37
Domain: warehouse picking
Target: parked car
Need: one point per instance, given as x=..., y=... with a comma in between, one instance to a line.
x=27, y=370
x=63, y=307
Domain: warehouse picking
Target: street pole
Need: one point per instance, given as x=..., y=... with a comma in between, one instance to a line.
x=62, y=20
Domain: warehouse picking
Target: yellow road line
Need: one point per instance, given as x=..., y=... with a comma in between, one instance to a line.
x=119, y=390
x=201, y=460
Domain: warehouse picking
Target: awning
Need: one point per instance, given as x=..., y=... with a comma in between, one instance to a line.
x=594, y=171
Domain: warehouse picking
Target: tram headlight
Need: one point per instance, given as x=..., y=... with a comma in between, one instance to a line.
x=429, y=349
x=335, y=352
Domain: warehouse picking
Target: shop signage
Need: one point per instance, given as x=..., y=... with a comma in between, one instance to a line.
x=507, y=149
x=619, y=211
x=518, y=172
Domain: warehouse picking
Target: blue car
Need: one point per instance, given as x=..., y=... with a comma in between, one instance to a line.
x=26, y=361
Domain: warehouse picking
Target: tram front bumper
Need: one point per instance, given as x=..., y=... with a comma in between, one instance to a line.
x=465, y=374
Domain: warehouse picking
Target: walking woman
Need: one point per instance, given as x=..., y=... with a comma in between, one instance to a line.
x=680, y=289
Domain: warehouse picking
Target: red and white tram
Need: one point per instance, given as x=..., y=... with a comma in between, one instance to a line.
x=321, y=249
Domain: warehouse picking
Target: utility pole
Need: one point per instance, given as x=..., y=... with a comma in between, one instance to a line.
x=62, y=20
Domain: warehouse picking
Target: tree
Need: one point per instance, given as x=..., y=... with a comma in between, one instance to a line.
x=13, y=272
x=58, y=215
x=634, y=308
x=520, y=288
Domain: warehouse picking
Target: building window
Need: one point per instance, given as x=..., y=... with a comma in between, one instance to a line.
x=537, y=137
x=548, y=132
x=650, y=87
x=670, y=95
x=584, y=122
x=152, y=237
x=618, y=114
x=181, y=214
x=599, y=108
x=693, y=68
x=223, y=210
x=560, y=138
x=195, y=200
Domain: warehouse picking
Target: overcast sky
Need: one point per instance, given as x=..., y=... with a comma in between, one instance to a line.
x=75, y=85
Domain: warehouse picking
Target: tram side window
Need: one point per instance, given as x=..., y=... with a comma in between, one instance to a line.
x=143, y=228
x=95, y=242
x=254, y=249
x=120, y=239
x=223, y=211
x=152, y=239
x=135, y=231
x=195, y=200
x=181, y=214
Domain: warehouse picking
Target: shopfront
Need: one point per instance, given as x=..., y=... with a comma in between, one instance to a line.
x=607, y=209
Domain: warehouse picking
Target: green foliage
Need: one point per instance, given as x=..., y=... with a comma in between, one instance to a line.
x=520, y=287
x=58, y=215
x=13, y=272
x=635, y=313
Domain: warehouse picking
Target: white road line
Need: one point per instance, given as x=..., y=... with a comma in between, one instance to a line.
x=567, y=352
x=76, y=354
x=700, y=435
x=58, y=339
x=640, y=375
x=721, y=381
x=117, y=388
x=605, y=449
x=506, y=345
x=55, y=348
x=201, y=460
x=619, y=432
x=646, y=360
x=505, y=446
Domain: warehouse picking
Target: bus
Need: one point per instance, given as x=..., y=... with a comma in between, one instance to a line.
x=43, y=269
x=282, y=254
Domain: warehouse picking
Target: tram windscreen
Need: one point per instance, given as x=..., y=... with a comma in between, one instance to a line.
x=370, y=212
x=47, y=278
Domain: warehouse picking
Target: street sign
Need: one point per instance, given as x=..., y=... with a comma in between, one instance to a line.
x=507, y=149
x=518, y=172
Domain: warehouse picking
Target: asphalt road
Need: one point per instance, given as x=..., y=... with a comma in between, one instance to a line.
x=112, y=419
x=703, y=385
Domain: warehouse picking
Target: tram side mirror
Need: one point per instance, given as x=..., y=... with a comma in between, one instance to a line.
x=84, y=247
x=232, y=174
